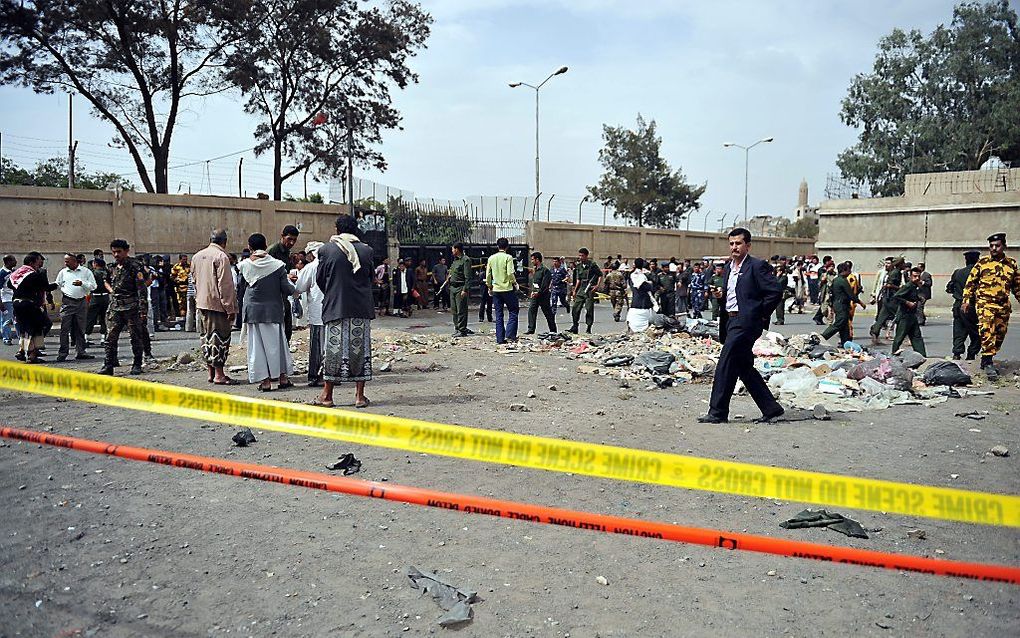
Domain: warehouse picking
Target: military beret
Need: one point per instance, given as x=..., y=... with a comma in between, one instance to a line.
x=997, y=237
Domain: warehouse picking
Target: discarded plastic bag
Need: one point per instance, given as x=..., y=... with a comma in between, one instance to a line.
x=946, y=373
x=656, y=361
x=244, y=438
x=797, y=381
x=348, y=463
x=912, y=359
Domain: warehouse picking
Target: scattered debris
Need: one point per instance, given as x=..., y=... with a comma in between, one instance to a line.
x=478, y=373
x=454, y=600
x=822, y=518
x=386, y=366
x=946, y=373
x=244, y=438
x=601, y=580
x=553, y=388
x=519, y=407
x=1000, y=450
x=531, y=394
x=185, y=358
x=348, y=463
x=919, y=534
x=976, y=415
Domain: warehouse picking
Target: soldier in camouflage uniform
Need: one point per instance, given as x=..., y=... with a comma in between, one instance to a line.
x=988, y=287
x=127, y=288
x=616, y=283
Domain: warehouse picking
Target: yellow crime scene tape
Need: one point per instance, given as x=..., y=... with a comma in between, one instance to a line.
x=493, y=446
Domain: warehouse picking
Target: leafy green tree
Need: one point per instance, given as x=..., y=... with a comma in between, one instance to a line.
x=315, y=70
x=638, y=183
x=314, y=198
x=135, y=62
x=803, y=227
x=947, y=101
x=414, y=226
x=53, y=173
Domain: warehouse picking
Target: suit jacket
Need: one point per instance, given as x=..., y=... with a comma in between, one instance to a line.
x=758, y=295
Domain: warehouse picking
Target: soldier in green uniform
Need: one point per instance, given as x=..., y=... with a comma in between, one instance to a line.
x=887, y=309
x=126, y=288
x=616, y=284
x=843, y=297
x=459, y=280
x=964, y=324
x=987, y=290
x=667, y=290
x=716, y=282
x=587, y=276
x=100, y=300
x=908, y=302
x=539, y=285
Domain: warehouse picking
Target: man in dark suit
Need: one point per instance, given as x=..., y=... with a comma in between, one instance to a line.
x=749, y=296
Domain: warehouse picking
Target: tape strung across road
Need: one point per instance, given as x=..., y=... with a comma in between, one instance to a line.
x=523, y=450
x=534, y=513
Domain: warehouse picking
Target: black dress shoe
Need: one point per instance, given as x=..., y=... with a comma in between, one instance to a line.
x=107, y=370
x=84, y=357
x=711, y=418
x=769, y=418
x=530, y=332
x=468, y=331
x=136, y=370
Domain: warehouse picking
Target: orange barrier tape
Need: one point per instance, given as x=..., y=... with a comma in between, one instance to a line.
x=534, y=513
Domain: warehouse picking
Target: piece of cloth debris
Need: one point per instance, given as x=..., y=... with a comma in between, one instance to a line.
x=244, y=438
x=348, y=463
x=454, y=600
x=975, y=415
x=999, y=450
x=822, y=518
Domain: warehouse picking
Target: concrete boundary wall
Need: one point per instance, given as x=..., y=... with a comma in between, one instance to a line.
x=55, y=220
x=934, y=228
x=561, y=239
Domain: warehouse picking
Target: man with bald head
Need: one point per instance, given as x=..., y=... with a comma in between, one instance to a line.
x=216, y=302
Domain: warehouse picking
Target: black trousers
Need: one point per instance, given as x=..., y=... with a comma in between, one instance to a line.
x=737, y=361
x=485, y=308
x=965, y=326
x=541, y=301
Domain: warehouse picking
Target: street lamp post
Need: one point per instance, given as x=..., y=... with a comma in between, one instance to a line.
x=747, y=153
x=514, y=85
x=583, y=200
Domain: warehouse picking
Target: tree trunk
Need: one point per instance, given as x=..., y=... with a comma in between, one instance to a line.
x=277, y=170
x=161, y=169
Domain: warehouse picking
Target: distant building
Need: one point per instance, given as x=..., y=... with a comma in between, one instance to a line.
x=805, y=210
x=766, y=225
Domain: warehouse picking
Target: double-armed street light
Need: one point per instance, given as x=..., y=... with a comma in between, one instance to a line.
x=747, y=152
x=514, y=85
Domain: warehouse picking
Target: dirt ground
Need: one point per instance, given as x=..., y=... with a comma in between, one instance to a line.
x=97, y=546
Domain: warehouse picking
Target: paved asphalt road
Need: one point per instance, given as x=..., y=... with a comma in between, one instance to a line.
x=938, y=334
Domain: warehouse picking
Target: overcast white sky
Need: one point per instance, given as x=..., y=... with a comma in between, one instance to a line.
x=706, y=72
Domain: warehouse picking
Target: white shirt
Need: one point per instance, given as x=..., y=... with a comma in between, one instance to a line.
x=66, y=276
x=306, y=283
x=6, y=294
x=731, y=287
x=403, y=282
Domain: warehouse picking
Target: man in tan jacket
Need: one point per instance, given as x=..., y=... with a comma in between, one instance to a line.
x=216, y=300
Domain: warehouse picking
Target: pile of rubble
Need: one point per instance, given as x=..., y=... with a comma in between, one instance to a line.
x=802, y=370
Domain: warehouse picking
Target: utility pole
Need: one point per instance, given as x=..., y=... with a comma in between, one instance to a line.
x=350, y=163
x=72, y=146
x=240, y=164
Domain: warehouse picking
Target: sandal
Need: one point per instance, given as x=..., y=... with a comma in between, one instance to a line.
x=263, y=388
x=320, y=403
x=284, y=386
x=225, y=381
x=363, y=404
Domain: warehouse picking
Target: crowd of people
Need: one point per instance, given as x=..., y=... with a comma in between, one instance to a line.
x=336, y=287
